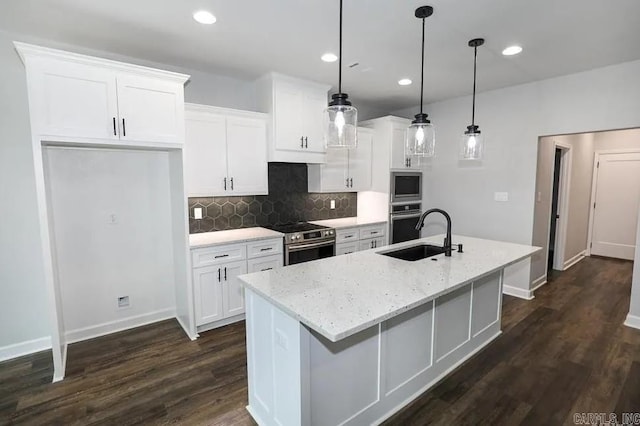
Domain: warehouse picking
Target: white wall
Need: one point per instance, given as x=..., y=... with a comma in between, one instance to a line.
x=620, y=139
x=512, y=119
x=100, y=258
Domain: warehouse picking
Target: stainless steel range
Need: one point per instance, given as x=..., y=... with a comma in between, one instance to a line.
x=305, y=241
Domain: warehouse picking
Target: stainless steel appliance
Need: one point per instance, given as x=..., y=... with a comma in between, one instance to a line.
x=305, y=241
x=403, y=219
x=406, y=187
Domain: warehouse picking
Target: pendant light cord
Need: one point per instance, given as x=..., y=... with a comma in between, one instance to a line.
x=473, y=107
x=422, y=76
x=340, y=54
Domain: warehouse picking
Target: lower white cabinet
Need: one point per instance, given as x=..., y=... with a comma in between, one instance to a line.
x=350, y=240
x=218, y=293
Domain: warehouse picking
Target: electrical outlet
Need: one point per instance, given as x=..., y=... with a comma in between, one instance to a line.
x=333, y=204
x=501, y=196
x=197, y=213
x=123, y=302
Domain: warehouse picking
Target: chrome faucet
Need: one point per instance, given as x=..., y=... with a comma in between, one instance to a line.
x=447, y=239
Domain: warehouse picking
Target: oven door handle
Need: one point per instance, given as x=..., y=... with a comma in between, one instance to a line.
x=311, y=245
x=405, y=216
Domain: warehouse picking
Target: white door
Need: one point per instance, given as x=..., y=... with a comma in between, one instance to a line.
x=76, y=100
x=288, y=118
x=232, y=290
x=247, y=156
x=615, y=213
x=360, y=162
x=314, y=104
x=150, y=110
x=207, y=284
x=205, y=154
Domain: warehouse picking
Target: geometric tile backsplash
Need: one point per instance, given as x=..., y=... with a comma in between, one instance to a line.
x=288, y=201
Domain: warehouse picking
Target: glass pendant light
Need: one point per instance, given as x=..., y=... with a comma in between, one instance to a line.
x=340, y=117
x=472, y=142
x=421, y=136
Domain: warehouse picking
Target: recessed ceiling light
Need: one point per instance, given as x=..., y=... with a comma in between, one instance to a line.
x=204, y=17
x=512, y=50
x=404, y=82
x=329, y=57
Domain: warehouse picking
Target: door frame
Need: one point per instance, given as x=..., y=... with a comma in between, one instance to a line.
x=564, y=189
x=594, y=182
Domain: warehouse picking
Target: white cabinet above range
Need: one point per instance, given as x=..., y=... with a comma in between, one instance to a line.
x=225, y=152
x=296, y=108
x=77, y=98
x=345, y=169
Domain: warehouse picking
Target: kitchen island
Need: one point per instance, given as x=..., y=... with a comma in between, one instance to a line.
x=352, y=339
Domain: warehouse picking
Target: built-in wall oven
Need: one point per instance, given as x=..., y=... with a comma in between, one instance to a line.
x=403, y=219
x=406, y=187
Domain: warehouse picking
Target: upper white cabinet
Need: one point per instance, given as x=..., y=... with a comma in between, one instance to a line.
x=296, y=108
x=77, y=98
x=344, y=169
x=225, y=152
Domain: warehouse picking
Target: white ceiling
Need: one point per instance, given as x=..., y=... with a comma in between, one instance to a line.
x=252, y=37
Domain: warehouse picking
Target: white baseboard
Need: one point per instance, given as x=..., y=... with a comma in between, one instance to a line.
x=575, y=259
x=221, y=323
x=118, y=325
x=25, y=348
x=632, y=321
x=186, y=329
x=537, y=283
x=517, y=292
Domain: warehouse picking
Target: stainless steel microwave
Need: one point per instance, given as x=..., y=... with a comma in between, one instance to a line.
x=406, y=186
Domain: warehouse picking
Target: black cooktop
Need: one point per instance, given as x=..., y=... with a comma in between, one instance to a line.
x=289, y=228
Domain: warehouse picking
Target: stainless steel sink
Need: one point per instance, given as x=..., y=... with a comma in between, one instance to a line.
x=413, y=253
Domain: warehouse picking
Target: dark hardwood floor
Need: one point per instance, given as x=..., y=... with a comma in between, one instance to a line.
x=562, y=353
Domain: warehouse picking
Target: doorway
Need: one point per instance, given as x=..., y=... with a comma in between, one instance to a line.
x=554, y=208
x=559, y=206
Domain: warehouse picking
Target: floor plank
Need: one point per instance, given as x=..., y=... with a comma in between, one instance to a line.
x=564, y=352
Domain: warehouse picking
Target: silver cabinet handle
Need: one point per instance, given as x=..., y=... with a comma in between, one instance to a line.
x=347, y=182
x=221, y=256
x=351, y=181
x=232, y=184
x=218, y=274
x=225, y=273
x=266, y=249
x=124, y=128
x=225, y=184
x=266, y=269
x=114, y=127
x=306, y=142
x=301, y=141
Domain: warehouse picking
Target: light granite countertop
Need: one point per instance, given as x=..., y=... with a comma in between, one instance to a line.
x=346, y=222
x=340, y=296
x=206, y=239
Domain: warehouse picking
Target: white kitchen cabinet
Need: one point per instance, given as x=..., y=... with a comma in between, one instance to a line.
x=347, y=248
x=372, y=243
x=81, y=99
x=232, y=290
x=345, y=169
x=218, y=294
x=225, y=152
x=296, y=108
x=349, y=240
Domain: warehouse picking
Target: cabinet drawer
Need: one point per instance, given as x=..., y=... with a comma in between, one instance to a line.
x=347, y=235
x=264, y=263
x=218, y=254
x=373, y=231
x=346, y=248
x=264, y=248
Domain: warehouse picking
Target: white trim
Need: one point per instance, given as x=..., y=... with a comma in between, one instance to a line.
x=209, y=109
x=520, y=293
x=575, y=259
x=25, y=348
x=186, y=329
x=594, y=184
x=86, y=333
x=632, y=321
x=221, y=323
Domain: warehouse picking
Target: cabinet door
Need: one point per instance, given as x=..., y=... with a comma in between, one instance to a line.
x=372, y=243
x=150, y=110
x=360, y=162
x=205, y=155
x=247, y=156
x=313, y=105
x=398, y=157
x=288, y=115
x=334, y=173
x=74, y=100
x=207, y=284
x=232, y=290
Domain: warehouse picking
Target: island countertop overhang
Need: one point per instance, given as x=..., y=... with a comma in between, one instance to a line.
x=341, y=296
